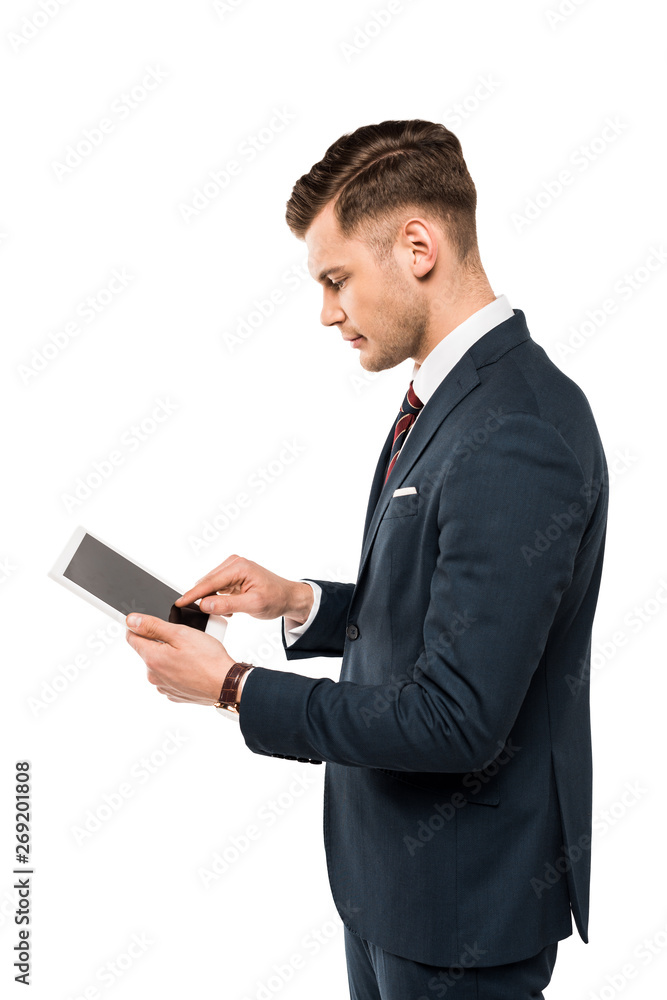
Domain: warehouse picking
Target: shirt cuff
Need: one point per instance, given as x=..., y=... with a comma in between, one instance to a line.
x=292, y=628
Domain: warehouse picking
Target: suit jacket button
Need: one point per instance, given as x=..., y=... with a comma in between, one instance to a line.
x=316, y=762
x=289, y=757
x=352, y=632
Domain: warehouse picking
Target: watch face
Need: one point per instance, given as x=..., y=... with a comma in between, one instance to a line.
x=232, y=716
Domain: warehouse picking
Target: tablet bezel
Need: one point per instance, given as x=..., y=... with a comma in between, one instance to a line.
x=62, y=562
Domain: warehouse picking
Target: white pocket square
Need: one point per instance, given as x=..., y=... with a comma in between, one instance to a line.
x=404, y=490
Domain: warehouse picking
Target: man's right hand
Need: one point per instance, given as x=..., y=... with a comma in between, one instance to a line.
x=240, y=584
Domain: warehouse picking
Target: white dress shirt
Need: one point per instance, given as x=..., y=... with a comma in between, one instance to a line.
x=426, y=379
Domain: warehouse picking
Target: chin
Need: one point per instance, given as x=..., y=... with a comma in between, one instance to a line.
x=370, y=366
x=375, y=364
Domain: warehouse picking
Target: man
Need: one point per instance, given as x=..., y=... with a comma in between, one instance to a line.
x=457, y=740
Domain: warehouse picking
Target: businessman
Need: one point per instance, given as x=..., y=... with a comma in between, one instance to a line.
x=456, y=743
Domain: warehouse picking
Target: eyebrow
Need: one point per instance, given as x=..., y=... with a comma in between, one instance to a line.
x=325, y=274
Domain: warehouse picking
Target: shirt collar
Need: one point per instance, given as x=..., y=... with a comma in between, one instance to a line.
x=442, y=358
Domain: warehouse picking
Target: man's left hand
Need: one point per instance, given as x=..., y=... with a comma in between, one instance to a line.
x=185, y=665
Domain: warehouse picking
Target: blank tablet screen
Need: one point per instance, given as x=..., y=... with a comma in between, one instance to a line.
x=126, y=587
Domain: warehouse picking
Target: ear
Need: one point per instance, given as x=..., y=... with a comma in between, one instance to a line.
x=421, y=241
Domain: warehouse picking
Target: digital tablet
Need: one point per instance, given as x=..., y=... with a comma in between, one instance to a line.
x=114, y=583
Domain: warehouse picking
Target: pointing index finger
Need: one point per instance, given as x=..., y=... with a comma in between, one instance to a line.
x=200, y=589
x=219, y=580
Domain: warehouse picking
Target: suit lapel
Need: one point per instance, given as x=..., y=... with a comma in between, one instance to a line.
x=461, y=380
x=378, y=479
x=451, y=390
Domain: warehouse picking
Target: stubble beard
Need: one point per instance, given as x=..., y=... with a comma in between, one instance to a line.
x=404, y=324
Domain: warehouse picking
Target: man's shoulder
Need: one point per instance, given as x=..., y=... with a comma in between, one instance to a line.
x=521, y=401
x=524, y=379
x=508, y=359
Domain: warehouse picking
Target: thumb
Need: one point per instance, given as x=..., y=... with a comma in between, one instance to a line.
x=149, y=627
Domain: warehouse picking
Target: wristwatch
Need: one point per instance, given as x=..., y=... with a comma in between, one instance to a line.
x=228, y=699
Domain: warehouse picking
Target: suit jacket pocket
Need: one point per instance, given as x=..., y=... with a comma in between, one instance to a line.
x=473, y=786
x=402, y=506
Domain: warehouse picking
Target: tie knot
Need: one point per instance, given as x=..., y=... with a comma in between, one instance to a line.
x=412, y=403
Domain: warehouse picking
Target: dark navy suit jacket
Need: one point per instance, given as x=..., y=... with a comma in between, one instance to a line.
x=457, y=801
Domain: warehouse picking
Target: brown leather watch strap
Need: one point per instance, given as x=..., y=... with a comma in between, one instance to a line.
x=228, y=694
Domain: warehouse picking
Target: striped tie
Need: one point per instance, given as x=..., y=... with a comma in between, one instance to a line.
x=410, y=407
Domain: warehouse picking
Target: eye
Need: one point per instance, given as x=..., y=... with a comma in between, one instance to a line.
x=337, y=284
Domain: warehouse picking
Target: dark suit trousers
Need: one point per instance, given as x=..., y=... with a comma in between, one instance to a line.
x=375, y=974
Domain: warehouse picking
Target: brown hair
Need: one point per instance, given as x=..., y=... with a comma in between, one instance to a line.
x=377, y=172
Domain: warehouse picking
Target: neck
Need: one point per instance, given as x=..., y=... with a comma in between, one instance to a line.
x=450, y=310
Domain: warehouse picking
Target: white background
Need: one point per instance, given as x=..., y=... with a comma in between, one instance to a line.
x=535, y=92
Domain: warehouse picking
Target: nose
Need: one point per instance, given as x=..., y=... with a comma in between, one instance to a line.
x=331, y=311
